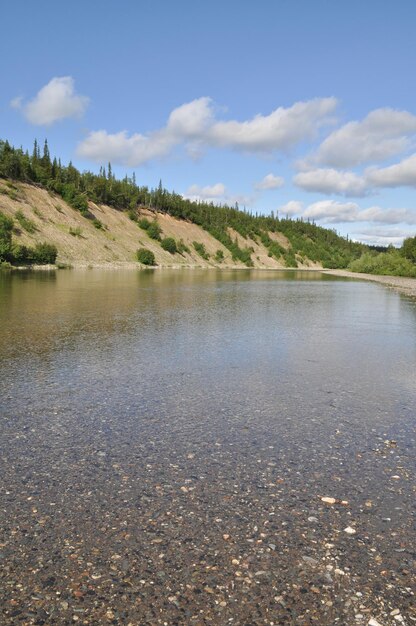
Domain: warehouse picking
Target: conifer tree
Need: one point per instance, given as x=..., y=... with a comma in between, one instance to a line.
x=36, y=151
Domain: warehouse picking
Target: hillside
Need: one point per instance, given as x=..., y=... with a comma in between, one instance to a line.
x=80, y=243
x=96, y=219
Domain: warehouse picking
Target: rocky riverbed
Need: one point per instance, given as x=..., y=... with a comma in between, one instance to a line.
x=202, y=451
x=205, y=531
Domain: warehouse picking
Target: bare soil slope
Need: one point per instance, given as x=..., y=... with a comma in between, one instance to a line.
x=80, y=243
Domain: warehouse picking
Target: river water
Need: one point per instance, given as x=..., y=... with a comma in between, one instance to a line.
x=167, y=438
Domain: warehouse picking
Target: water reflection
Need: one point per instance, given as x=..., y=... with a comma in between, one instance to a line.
x=224, y=334
x=153, y=413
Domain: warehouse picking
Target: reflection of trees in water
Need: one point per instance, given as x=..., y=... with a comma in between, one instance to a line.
x=44, y=311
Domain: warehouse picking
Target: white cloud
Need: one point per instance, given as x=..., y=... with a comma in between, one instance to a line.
x=291, y=208
x=379, y=136
x=194, y=126
x=101, y=146
x=281, y=130
x=186, y=124
x=374, y=240
x=191, y=120
x=382, y=237
x=209, y=192
x=330, y=181
x=387, y=216
x=270, y=181
x=218, y=195
x=334, y=212
x=331, y=211
x=55, y=101
x=399, y=175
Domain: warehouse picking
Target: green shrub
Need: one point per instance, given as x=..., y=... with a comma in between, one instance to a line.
x=41, y=254
x=25, y=222
x=146, y=257
x=132, y=215
x=76, y=231
x=290, y=259
x=22, y=255
x=71, y=195
x=408, y=249
x=37, y=212
x=154, y=231
x=97, y=224
x=390, y=263
x=219, y=256
x=45, y=253
x=169, y=244
x=144, y=223
x=11, y=193
x=200, y=249
x=182, y=247
x=6, y=227
x=276, y=250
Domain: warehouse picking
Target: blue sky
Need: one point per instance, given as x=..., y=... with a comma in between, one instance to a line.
x=305, y=107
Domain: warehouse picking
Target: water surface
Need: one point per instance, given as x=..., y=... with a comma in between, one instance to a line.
x=167, y=437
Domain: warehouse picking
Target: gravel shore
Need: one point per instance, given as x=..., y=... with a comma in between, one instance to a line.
x=402, y=284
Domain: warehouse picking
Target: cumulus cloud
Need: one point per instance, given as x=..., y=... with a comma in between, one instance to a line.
x=377, y=240
x=331, y=181
x=191, y=120
x=137, y=149
x=291, y=208
x=379, y=136
x=270, y=181
x=335, y=212
x=332, y=212
x=401, y=174
x=281, y=130
x=194, y=126
x=209, y=192
x=218, y=195
x=55, y=101
x=382, y=236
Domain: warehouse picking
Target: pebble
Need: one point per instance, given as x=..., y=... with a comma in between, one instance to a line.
x=328, y=500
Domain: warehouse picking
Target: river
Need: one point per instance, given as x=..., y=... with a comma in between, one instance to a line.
x=168, y=437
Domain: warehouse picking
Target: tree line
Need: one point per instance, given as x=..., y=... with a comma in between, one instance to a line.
x=307, y=240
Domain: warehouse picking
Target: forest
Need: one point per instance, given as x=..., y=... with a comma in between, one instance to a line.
x=308, y=241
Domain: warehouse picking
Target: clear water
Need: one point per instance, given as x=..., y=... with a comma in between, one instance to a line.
x=119, y=388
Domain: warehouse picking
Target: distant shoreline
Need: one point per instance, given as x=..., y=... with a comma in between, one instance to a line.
x=404, y=285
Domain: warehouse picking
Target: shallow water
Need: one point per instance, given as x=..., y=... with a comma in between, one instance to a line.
x=167, y=437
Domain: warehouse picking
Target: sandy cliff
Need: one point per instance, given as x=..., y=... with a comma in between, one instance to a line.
x=80, y=243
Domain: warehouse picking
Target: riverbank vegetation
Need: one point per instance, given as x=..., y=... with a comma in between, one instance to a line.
x=306, y=239
x=292, y=243
x=392, y=262
x=14, y=254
